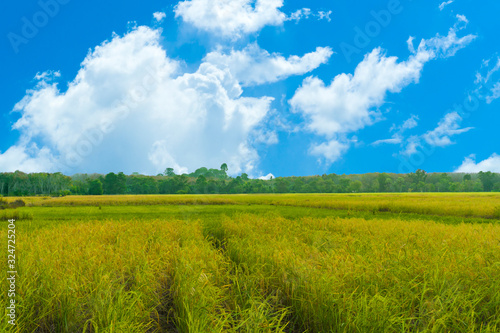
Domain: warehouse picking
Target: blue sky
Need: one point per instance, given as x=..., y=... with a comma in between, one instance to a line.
x=268, y=86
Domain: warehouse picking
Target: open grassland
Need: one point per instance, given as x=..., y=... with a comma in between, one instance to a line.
x=257, y=263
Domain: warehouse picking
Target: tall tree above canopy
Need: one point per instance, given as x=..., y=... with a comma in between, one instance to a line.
x=169, y=172
x=488, y=180
x=224, y=169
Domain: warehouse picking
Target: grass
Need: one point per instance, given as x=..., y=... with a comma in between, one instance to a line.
x=263, y=263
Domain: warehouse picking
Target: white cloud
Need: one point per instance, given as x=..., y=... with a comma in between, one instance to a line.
x=409, y=42
x=462, y=18
x=346, y=104
x=412, y=145
x=159, y=16
x=47, y=76
x=265, y=137
x=494, y=93
x=486, y=78
x=444, y=4
x=469, y=164
x=130, y=108
x=231, y=18
x=28, y=158
x=322, y=15
x=396, y=139
x=296, y=16
x=234, y=19
x=306, y=13
x=352, y=101
x=484, y=81
x=331, y=150
x=410, y=123
x=268, y=177
x=254, y=66
x=447, y=127
x=447, y=46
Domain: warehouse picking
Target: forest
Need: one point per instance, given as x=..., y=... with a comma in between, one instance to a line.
x=216, y=181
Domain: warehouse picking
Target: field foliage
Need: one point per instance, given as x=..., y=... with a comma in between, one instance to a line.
x=257, y=263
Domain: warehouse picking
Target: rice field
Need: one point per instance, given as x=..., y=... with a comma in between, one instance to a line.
x=256, y=263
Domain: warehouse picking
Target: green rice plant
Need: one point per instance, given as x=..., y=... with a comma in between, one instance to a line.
x=382, y=276
x=92, y=273
x=213, y=296
x=440, y=204
x=496, y=212
x=257, y=263
x=16, y=214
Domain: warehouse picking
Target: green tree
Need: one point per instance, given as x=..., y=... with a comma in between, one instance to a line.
x=121, y=183
x=224, y=168
x=169, y=172
x=110, y=184
x=488, y=180
x=400, y=184
x=201, y=184
x=344, y=184
x=478, y=186
x=212, y=187
x=415, y=178
x=95, y=187
x=200, y=172
x=382, y=182
x=444, y=183
x=355, y=186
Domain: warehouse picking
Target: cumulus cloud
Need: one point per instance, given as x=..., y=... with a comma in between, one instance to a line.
x=28, y=158
x=447, y=127
x=352, y=101
x=231, y=18
x=469, y=164
x=159, y=16
x=234, y=19
x=346, y=104
x=331, y=150
x=131, y=108
x=268, y=177
x=254, y=66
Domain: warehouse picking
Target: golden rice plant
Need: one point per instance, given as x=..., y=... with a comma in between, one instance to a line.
x=357, y=275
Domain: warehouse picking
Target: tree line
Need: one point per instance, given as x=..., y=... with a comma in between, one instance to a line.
x=216, y=181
